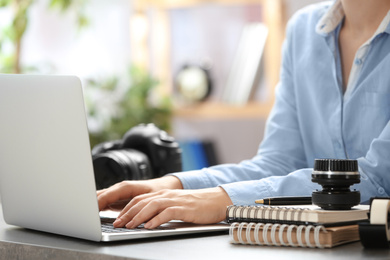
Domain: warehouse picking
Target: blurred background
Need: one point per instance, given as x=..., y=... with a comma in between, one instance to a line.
x=203, y=70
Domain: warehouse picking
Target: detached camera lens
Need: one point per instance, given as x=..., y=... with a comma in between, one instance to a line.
x=335, y=177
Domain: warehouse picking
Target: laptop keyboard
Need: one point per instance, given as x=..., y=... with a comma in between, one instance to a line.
x=107, y=227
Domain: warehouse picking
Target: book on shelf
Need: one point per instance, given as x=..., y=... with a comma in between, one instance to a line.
x=272, y=234
x=302, y=214
x=210, y=151
x=197, y=154
x=245, y=69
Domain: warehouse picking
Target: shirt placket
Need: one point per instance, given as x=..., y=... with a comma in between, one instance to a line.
x=356, y=70
x=336, y=117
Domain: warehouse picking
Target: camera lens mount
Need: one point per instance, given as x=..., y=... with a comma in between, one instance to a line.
x=336, y=176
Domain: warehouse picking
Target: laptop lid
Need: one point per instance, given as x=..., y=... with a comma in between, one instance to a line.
x=46, y=172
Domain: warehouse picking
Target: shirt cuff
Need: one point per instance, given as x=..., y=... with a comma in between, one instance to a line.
x=196, y=179
x=242, y=193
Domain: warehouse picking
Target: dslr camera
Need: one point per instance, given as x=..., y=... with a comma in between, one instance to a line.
x=144, y=152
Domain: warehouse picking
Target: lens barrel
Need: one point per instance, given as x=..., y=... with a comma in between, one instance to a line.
x=115, y=166
x=336, y=176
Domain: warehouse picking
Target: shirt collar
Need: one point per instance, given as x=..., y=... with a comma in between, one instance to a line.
x=331, y=19
x=334, y=16
x=385, y=25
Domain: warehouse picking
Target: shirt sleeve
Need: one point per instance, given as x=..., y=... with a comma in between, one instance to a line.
x=374, y=168
x=280, y=153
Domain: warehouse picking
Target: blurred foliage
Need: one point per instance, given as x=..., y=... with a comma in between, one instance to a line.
x=131, y=104
x=114, y=106
x=75, y=5
x=11, y=36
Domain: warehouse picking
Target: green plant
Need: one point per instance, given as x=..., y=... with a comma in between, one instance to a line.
x=116, y=106
x=11, y=36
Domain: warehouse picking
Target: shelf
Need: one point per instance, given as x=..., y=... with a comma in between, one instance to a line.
x=142, y=5
x=218, y=111
x=155, y=55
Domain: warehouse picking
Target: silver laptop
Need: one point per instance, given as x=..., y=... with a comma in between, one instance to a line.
x=46, y=173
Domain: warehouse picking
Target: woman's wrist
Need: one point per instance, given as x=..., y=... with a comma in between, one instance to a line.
x=167, y=182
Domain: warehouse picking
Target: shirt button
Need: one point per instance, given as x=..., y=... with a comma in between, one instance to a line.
x=381, y=190
x=358, y=61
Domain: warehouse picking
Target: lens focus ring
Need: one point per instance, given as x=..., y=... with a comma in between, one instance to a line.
x=335, y=165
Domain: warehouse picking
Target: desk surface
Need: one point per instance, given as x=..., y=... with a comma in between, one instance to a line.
x=19, y=243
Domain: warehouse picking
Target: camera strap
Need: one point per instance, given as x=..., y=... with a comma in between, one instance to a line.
x=376, y=232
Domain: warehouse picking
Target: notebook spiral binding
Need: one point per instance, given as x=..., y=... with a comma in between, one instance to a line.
x=276, y=232
x=265, y=214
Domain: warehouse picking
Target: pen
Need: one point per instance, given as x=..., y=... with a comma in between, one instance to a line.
x=285, y=201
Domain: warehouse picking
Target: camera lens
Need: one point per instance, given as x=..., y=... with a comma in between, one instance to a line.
x=336, y=176
x=115, y=166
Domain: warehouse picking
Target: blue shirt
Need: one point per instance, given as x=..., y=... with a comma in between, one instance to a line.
x=313, y=118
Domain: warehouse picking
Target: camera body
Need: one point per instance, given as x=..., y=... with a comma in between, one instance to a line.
x=144, y=152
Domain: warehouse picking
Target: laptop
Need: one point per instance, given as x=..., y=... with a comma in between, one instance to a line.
x=46, y=174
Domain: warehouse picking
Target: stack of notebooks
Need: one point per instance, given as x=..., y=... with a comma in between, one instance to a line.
x=296, y=226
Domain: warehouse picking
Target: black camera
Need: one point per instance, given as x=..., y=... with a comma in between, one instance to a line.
x=144, y=152
x=335, y=176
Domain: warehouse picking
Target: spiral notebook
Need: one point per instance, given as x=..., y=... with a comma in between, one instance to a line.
x=292, y=235
x=307, y=214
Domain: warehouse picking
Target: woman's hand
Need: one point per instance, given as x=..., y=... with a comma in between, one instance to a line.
x=204, y=206
x=118, y=195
